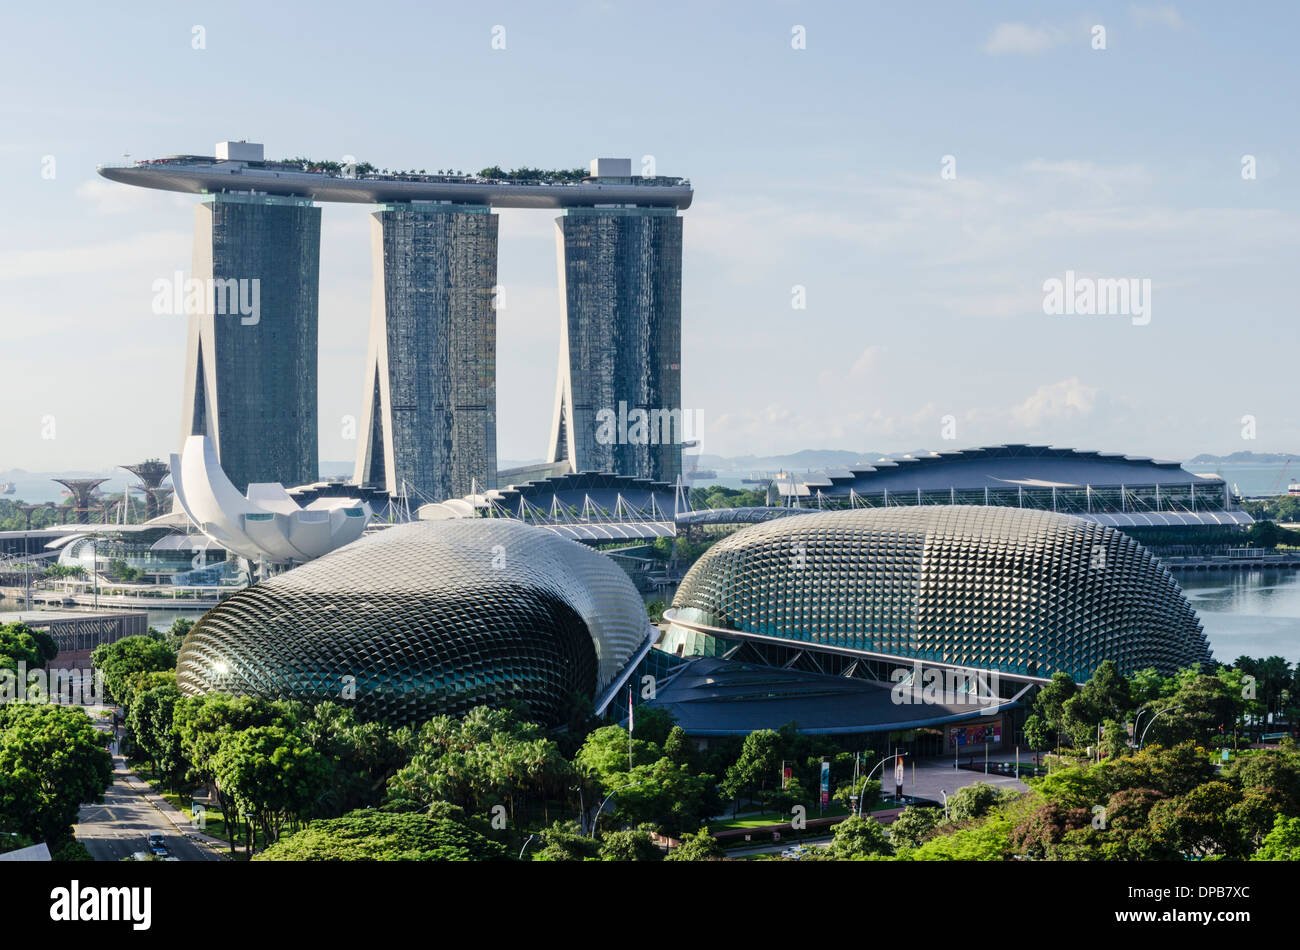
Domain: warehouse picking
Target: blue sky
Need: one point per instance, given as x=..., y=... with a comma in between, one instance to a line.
x=817, y=167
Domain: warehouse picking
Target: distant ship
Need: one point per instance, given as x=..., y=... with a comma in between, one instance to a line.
x=7, y=488
x=1293, y=488
x=702, y=473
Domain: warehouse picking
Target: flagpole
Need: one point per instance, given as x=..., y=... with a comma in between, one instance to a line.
x=629, y=730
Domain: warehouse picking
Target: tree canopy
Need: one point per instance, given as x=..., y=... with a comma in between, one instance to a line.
x=371, y=835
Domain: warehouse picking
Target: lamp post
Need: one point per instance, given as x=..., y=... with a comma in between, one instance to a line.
x=1137, y=721
x=944, y=793
x=596, y=821
x=884, y=758
x=1153, y=721
x=582, y=808
x=525, y=847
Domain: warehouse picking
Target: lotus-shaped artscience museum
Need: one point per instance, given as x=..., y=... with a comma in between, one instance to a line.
x=266, y=524
x=427, y=618
x=1015, y=590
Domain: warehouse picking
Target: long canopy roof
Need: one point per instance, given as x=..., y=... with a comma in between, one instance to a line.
x=998, y=466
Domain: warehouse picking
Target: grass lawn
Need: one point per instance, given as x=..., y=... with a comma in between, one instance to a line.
x=834, y=810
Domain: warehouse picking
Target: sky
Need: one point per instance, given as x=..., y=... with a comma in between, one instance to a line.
x=913, y=174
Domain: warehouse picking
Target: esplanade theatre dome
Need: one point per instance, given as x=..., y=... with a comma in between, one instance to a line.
x=424, y=619
x=1016, y=590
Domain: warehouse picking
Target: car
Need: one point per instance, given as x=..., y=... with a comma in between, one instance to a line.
x=158, y=845
x=794, y=854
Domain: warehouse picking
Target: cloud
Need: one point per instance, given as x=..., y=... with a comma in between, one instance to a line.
x=138, y=254
x=110, y=197
x=1165, y=14
x=1109, y=175
x=1021, y=39
x=1057, y=413
x=867, y=361
x=1056, y=401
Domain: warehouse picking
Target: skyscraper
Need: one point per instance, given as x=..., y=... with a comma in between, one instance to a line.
x=250, y=378
x=429, y=424
x=620, y=350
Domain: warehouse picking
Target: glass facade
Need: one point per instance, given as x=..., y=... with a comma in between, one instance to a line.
x=430, y=385
x=137, y=551
x=423, y=619
x=622, y=272
x=1006, y=589
x=251, y=378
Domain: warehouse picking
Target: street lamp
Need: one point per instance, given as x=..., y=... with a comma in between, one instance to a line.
x=596, y=821
x=1153, y=721
x=525, y=847
x=582, y=808
x=1137, y=721
x=944, y=793
x=885, y=758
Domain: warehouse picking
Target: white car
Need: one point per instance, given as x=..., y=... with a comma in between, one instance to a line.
x=794, y=854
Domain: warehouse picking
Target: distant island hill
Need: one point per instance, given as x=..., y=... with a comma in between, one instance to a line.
x=1245, y=458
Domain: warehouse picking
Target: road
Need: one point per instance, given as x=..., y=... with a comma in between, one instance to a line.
x=776, y=848
x=119, y=826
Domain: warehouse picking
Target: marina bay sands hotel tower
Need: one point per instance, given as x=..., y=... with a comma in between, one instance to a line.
x=428, y=429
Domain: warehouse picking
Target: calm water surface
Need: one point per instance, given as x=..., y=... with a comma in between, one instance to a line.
x=1255, y=613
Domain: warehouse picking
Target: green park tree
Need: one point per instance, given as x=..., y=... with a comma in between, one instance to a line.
x=205, y=723
x=150, y=719
x=630, y=844
x=913, y=825
x=51, y=760
x=370, y=835
x=488, y=757
x=363, y=756
x=1282, y=843
x=757, y=767
x=972, y=801
x=18, y=644
x=700, y=846
x=564, y=841
x=857, y=837
x=989, y=840
x=120, y=660
x=1199, y=823
x=273, y=777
